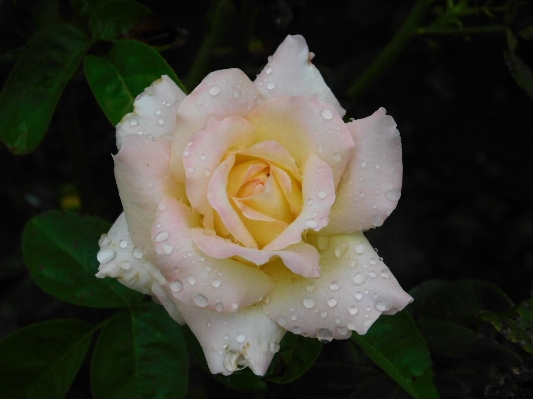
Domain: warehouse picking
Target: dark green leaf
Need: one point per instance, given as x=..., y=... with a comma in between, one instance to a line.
x=116, y=18
x=520, y=71
x=40, y=361
x=516, y=325
x=421, y=293
x=128, y=69
x=243, y=380
x=396, y=346
x=296, y=355
x=456, y=301
x=140, y=354
x=60, y=251
x=31, y=93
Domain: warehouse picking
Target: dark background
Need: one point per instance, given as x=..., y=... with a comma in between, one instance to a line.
x=466, y=206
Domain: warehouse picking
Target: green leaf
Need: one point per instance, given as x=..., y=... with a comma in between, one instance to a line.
x=60, y=251
x=296, y=355
x=115, y=80
x=140, y=354
x=396, y=346
x=516, y=325
x=116, y=18
x=520, y=71
x=31, y=93
x=421, y=293
x=456, y=301
x=40, y=361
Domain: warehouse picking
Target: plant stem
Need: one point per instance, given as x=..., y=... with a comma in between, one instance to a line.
x=449, y=30
x=391, y=51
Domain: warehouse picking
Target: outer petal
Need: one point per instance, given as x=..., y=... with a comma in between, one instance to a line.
x=119, y=258
x=372, y=184
x=226, y=338
x=198, y=280
x=305, y=125
x=143, y=179
x=318, y=194
x=204, y=152
x=154, y=111
x=354, y=289
x=301, y=258
x=220, y=95
x=290, y=72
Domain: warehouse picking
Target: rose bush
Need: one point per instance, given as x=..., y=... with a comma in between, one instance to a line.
x=244, y=206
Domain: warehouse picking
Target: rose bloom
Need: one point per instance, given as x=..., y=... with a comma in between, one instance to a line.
x=244, y=206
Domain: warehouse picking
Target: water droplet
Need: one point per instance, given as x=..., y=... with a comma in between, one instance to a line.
x=326, y=113
x=353, y=263
x=235, y=305
x=363, y=164
x=337, y=157
x=334, y=286
x=323, y=313
x=215, y=283
x=176, y=286
x=358, y=296
x=186, y=153
x=294, y=317
x=104, y=240
x=189, y=143
x=310, y=288
x=123, y=244
x=342, y=330
x=359, y=278
x=208, y=324
x=167, y=248
x=378, y=220
x=162, y=208
x=105, y=255
x=133, y=122
x=372, y=275
x=200, y=300
x=332, y=302
x=190, y=170
x=309, y=201
x=383, y=273
x=353, y=310
x=214, y=90
x=296, y=330
x=268, y=70
x=377, y=166
x=393, y=194
x=160, y=121
x=324, y=335
x=161, y=236
x=382, y=306
x=322, y=194
x=191, y=280
x=281, y=321
x=137, y=253
x=309, y=303
x=125, y=265
x=271, y=85
x=311, y=223
x=273, y=347
x=360, y=249
x=235, y=94
x=341, y=248
x=219, y=307
x=158, y=225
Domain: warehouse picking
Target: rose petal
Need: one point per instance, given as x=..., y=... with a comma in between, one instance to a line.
x=290, y=188
x=318, y=194
x=119, y=258
x=371, y=187
x=194, y=278
x=220, y=95
x=218, y=199
x=154, y=111
x=272, y=151
x=290, y=73
x=301, y=258
x=225, y=337
x=143, y=179
x=204, y=152
x=305, y=125
x=354, y=289
x=165, y=298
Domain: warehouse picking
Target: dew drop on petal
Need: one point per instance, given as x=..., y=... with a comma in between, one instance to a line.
x=125, y=265
x=162, y=236
x=311, y=288
x=167, y=248
x=326, y=113
x=273, y=347
x=332, y=302
x=372, y=275
x=281, y=321
x=323, y=313
x=363, y=164
x=359, y=278
x=383, y=273
x=309, y=303
x=271, y=85
x=311, y=223
x=353, y=310
x=162, y=208
x=235, y=94
x=235, y=305
x=324, y=335
x=358, y=296
x=200, y=300
x=341, y=248
x=137, y=253
x=219, y=307
x=105, y=255
x=191, y=280
x=123, y=244
x=190, y=170
x=176, y=286
x=133, y=122
x=296, y=330
x=161, y=121
x=268, y=70
x=215, y=283
x=393, y=194
x=186, y=153
x=334, y=286
x=342, y=330
x=382, y=306
x=322, y=194
x=360, y=249
x=214, y=90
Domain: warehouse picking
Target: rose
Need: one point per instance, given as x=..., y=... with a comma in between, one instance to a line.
x=244, y=206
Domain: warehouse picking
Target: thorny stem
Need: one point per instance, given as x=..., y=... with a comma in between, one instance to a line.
x=389, y=54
